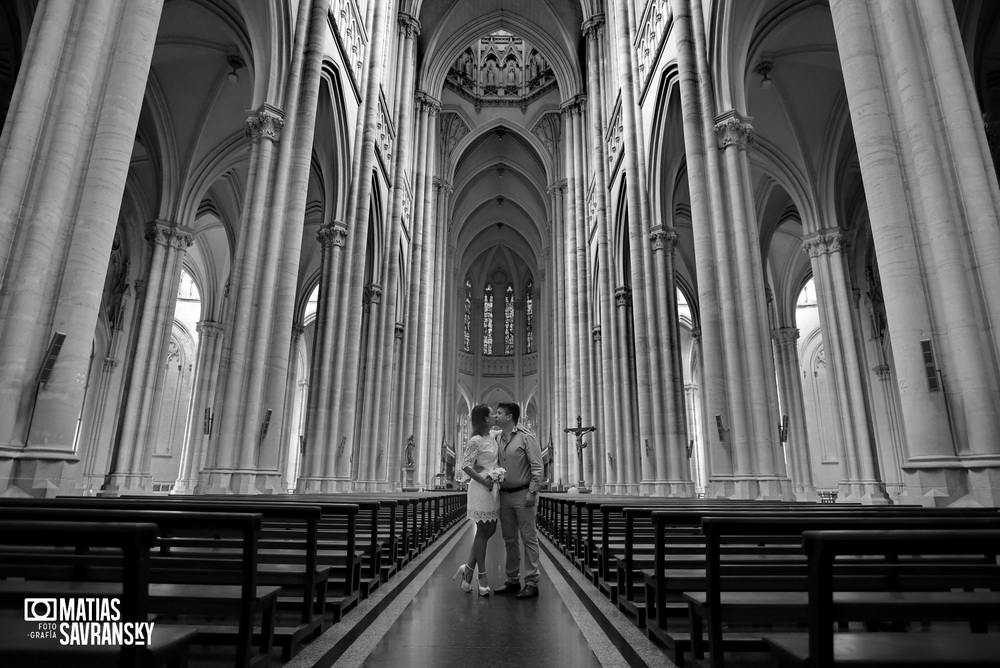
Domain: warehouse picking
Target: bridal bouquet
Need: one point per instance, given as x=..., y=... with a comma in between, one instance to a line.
x=497, y=475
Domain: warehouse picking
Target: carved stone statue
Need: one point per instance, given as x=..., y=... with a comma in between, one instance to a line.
x=408, y=453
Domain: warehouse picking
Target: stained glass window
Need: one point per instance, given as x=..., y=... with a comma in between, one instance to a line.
x=488, y=321
x=508, y=321
x=529, y=313
x=467, y=347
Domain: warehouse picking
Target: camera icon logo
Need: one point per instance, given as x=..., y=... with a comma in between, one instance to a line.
x=40, y=610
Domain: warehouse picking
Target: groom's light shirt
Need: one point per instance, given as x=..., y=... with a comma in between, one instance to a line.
x=522, y=458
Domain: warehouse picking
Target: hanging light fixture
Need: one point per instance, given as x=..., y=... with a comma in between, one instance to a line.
x=236, y=63
x=763, y=68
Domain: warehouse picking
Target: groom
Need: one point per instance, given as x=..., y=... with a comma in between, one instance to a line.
x=520, y=455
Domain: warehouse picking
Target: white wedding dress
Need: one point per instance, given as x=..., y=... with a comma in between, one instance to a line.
x=483, y=504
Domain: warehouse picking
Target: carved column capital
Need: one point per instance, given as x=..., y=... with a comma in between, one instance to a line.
x=623, y=296
x=594, y=26
x=557, y=188
x=209, y=329
x=574, y=105
x=696, y=334
x=331, y=234
x=825, y=242
x=400, y=330
x=408, y=25
x=372, y=294
x=440, y=185
x=883, y=371
x=298, y=329
x=734, y=130
x=663, y=238
x=785, y=335
x=596, y=333
x=264, y=123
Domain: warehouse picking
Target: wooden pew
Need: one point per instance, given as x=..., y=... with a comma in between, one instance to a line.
x=769, y=586
x=166, y=646
x=827, y=604
x=224, y=586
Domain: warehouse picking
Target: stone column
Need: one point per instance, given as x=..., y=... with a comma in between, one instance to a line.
x=624, y=461
x=674, y=472
x=62, y=122
x=933, y=208
x=130, y=471
x=645, y=368
x=562, y=473
x=331, y=238
x=344, y=400
x=797, y=448
x=206, y=372
x=859, y=482
x=690, y=42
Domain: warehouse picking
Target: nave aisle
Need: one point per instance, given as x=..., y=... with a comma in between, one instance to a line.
x=426, y=619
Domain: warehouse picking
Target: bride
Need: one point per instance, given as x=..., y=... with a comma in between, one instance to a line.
x=480, y=458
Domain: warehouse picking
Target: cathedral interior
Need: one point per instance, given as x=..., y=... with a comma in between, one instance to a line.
x=274, y=246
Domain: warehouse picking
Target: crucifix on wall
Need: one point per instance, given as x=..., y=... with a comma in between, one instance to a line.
x=579, y=431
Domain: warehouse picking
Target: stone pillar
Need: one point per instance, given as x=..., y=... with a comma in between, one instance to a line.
x=562, y=473
x=690, y=44
x=797, y=448
x=130, y=470
x=344, y=400
x=625, y=461
x=206, y=373
x=65, y=156
x=675, y=472
x=331, y=238
x=859, y=480
x=933, y=203
x=646, y=366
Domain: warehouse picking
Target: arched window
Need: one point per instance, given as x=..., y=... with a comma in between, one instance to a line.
x=467, y=346
x=508, y=321
x=488, y=320
x=529, y=316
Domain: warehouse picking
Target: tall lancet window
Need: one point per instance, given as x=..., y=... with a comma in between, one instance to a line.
x=488, y=321
x=508, y=321
x=467, y=347
x=529, y=316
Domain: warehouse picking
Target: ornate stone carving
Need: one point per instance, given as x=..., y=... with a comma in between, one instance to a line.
x=408, y=26
x=265, y=123
x=452, y=129
x=663, y=238
x=208, y=329
x=614, y=138
x=623, y=296
x=734, y=130
x=652, y=30
x=110, y=364
x=557, y=188
x=594, y=26
x=883, y=371
x=548, y=129
x=785, y=335
x=331, y=234
x=350, y=32
x=442, y=186
x=385, y=134
x=372, y=294
x=400, y=330
x=501, y=69
x=596, y=333
x=822, y=243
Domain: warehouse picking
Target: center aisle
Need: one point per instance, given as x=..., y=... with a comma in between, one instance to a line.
x=444, y=626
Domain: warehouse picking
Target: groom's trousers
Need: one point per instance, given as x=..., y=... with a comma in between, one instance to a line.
x=516, y=520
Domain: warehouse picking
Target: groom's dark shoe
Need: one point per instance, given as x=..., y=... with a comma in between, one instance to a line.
x=508, y=588
x=529, y=591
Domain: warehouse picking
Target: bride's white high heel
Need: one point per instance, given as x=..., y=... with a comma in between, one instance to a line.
x=484, y=591
x=462, y=570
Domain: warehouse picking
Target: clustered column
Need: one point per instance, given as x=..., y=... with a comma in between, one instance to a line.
x=200, y=425
x=69, y=144
x=933, y=205
x=786, y=355
x=130, y=468
x=847, y=391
